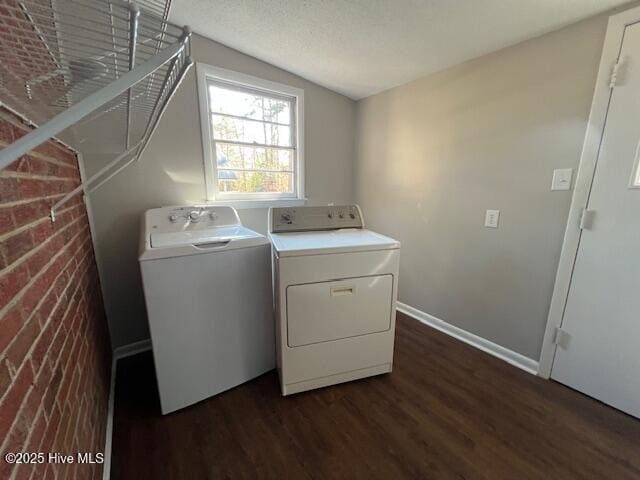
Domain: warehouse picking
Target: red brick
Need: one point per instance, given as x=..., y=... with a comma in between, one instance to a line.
x=71, y=429
x=39, y=259
x=6, y=469
x=6, y=220
x=52, y=271
x=30, y=188
x=16, y=246
x=60, y=286
x=42, y=346
x=59, y=340
x=43, y=375
x=40, y=470
x=58, y=152
x=56, y=330
x=65, y=386
x=6, y=132
x=10, y=324
x=24, y=471
x=30, y=212
x=51, y=472
x=47, y=308
x=17, y=351
x=37, y=434
x=37, y=166
x=52, y=430
x=14, y=398
x=12, y=282
x=19, y=131
x=52, y=393
x=58, y=443
x=75, y=382
x=9, y=190
x=19, y=433
x=33, y=188
x=48, y=149
x=5, y=377
x=43, y=232
x=32, y=296
x=19, y=165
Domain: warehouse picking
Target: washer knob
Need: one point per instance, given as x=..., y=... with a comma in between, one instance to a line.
x=194, y=216
x=173, y=218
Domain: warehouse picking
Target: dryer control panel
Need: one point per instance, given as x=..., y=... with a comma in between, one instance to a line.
x=303, y=219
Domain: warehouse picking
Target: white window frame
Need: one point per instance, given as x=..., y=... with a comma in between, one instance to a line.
x=634, y=181
x=206, y=73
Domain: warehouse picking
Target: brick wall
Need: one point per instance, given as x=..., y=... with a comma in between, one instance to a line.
x=54, y=347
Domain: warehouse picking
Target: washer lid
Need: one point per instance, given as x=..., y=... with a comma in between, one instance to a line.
x=331, y=241
x=237, y=234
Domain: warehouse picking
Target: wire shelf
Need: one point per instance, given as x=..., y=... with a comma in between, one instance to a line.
x=65, y=62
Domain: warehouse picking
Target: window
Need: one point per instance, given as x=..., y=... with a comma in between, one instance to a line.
x=252, y=137
x=635, y=176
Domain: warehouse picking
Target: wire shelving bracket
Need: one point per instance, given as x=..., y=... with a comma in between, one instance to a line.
x=64, y=62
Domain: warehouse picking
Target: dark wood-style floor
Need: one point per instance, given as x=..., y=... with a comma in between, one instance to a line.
x=446, y=411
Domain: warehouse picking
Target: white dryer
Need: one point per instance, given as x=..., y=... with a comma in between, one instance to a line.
x=208, y=290
x=335, y=295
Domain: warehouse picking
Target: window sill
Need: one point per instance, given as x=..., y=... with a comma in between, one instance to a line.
x=242, y=204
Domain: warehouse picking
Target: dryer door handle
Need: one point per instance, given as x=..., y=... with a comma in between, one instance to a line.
x=341, y=291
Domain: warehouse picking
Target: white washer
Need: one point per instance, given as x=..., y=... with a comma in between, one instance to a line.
x=207, y=285
x=335, y=294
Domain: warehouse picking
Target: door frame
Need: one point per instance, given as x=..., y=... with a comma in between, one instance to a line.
x=586, y=171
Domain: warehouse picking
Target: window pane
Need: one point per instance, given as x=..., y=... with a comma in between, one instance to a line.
x=244, y=104
x=248, y=131
x=253, y=158
x=235, y=181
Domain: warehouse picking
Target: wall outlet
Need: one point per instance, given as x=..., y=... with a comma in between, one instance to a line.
x=562, y=179
x=491, y=218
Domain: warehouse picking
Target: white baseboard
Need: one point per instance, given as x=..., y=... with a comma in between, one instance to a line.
x=132, y=349
x=118, y=353
x=509, y=356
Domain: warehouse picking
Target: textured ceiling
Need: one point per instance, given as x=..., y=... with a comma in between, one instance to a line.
x=361, y=47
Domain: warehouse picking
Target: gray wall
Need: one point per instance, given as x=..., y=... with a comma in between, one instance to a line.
x=171, y=172
x=432, y=155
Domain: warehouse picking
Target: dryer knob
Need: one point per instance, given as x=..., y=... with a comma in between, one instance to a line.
x=173, y=218
x=194, y=216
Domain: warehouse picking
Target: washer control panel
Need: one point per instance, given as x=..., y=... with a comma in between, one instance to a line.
x=302, y=219
x=191, y=217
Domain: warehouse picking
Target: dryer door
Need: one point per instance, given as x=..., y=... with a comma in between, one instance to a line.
x=324, y=311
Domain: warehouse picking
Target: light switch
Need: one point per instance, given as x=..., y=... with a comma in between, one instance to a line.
x=562, y=179
x=491, y=218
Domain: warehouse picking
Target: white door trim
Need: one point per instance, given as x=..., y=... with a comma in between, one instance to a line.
x=586, y=170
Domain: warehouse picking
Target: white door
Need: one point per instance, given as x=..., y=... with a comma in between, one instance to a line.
x=601, y=356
